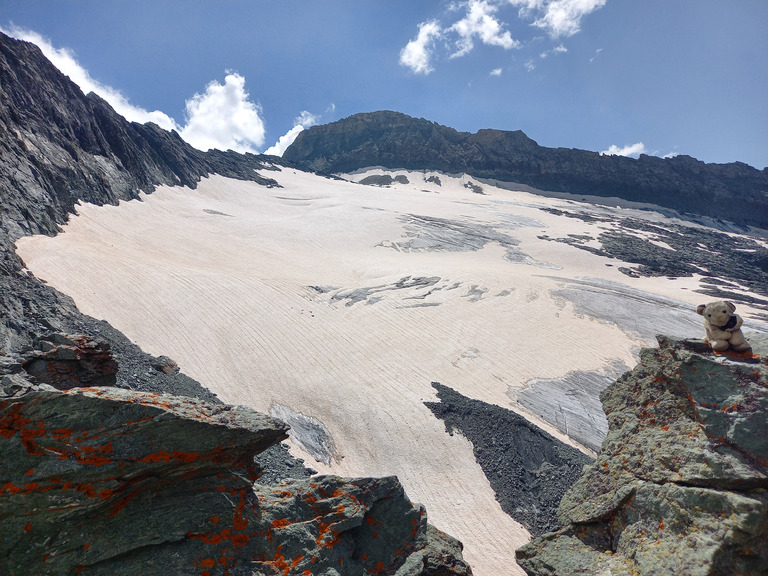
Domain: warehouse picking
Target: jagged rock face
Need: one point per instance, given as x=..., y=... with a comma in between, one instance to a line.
x=59, y=146
x=735, y=192
x=680, y=485
x=93, y=475
x=109, y=481
x=66, y=361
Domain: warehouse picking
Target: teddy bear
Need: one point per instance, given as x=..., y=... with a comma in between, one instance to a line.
x=723, y=326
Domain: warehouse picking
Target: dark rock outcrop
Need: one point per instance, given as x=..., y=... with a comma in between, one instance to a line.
x=725, y=261
x=528, y=469
x=94, y=481
x=65, y=361
x=733, y=192
x=681, y=483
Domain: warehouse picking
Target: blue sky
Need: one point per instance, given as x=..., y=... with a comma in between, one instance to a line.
x=659, y=76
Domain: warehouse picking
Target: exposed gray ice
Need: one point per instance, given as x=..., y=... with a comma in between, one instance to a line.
x=636, y=312
x=373, y=294
x=310, y=434
x=572, y=403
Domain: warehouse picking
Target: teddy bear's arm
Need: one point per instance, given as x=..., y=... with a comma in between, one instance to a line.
x=739, y=322
x=716, y=333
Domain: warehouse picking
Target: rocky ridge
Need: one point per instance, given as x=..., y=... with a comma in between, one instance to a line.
x=732, y=192
x=94, y=481
x=680, y=485
x=527, y=468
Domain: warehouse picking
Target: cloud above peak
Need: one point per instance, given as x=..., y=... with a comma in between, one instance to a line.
x=558, y=18
x=418, y=52
x=630, y=150
x=479, y=22
x=223, y=117
x=302, y=121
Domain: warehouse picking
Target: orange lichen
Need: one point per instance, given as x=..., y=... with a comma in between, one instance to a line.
x=15, y=423
x=164, y=456
x=282, y=564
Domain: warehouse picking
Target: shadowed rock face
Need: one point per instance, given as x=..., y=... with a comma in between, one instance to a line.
x=110, y=481
x=735, y=192
x=61, y=146
x=66, y=361
x=680, y=485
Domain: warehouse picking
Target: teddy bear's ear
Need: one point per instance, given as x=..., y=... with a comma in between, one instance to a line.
x=700, y=309
x=731, y=305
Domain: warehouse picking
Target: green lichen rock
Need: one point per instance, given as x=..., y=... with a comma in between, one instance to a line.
x=681, y=483
x=104, y=481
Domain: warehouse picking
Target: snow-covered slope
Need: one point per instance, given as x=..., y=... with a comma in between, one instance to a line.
x=336, y=304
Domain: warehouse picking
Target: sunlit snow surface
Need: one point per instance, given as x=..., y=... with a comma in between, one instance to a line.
x=339, y=303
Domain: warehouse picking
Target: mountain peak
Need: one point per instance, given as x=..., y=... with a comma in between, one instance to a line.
x=732, y=192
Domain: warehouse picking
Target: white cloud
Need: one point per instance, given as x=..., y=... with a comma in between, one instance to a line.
x=597, y=53
x=64, y=59
x=304, y=120
x=418, y=52
x=223, y=117
x=284, y=141
x=480, y=22
x=631, y=150
x=530, y=66
x=559, y=18
x=496, y=72
x=556, y=50
x=671, y=155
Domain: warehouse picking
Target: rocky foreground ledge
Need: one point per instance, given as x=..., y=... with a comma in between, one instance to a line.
x=101, y=480
x=681, y=483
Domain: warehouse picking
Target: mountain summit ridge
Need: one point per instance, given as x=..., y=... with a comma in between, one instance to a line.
x=733, y=192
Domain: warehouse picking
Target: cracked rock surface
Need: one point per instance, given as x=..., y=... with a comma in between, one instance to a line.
x=680, y=485
x=109, y=481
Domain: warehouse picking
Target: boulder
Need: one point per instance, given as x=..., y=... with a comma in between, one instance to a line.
x=72, y=361
x=102, y=480
x=680, y=485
